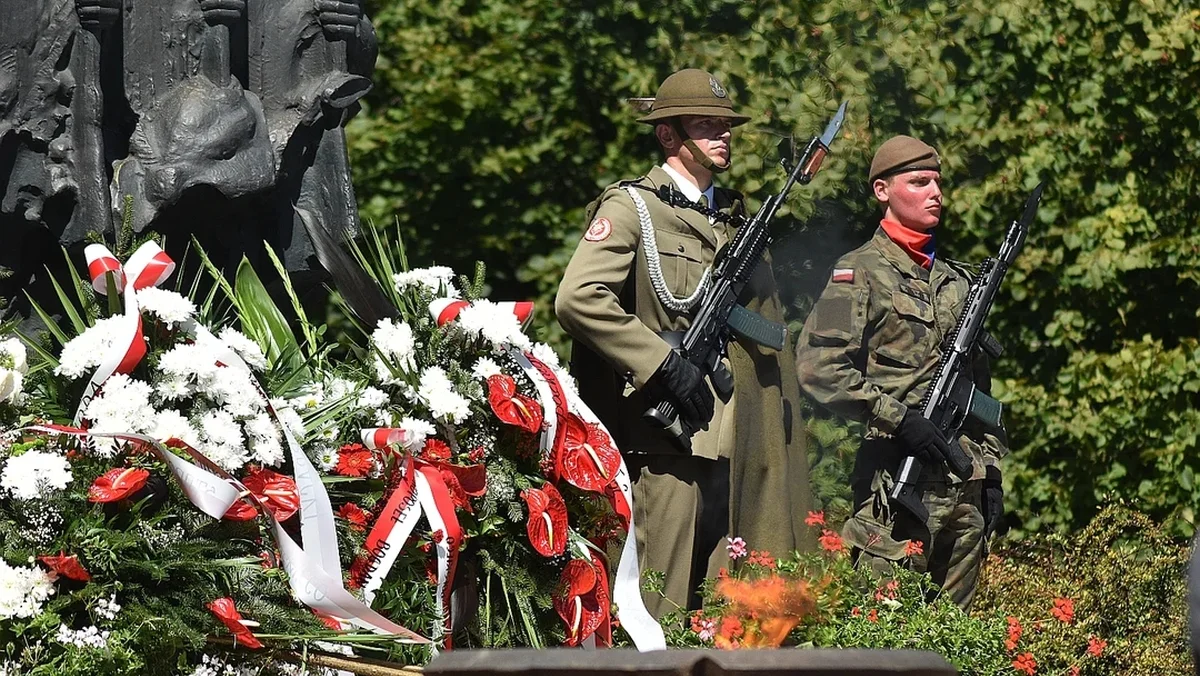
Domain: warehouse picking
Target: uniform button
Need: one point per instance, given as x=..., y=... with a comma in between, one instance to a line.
x=680, y=248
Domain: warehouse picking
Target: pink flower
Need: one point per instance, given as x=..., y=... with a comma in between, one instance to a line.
x=815, y=519
x=736, y=548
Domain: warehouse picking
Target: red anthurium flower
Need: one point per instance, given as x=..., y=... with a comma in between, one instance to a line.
x=354, y=515
x=512, y=407
x=464, y=482
x=547, y=524
x=354, y=460
x=241, y=511
x=581, y=600
x=66, y=566
x=227, y=613
x=590, y=461
x=276, y=492
x=117, y=484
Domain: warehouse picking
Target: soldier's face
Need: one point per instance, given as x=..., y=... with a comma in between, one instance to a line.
x=913, y=199
x=711, y=134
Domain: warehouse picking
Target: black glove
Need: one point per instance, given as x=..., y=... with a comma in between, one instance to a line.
x=680, y=382
x=993, y=500
x=922, y=438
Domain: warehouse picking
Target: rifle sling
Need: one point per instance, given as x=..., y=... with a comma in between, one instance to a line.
x=755, y=327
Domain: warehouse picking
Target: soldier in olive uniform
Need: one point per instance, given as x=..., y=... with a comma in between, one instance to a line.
x=869, y=351
x=640, y=269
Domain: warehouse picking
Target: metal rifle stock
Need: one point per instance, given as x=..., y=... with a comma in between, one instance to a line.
x=720, y=317
x=952, y=396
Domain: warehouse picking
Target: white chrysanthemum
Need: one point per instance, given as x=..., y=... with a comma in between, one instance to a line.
x=171, y=424
x=438, y=393
x=494, y=323
x=234, y=390
x=370, y=399
x=223, y=442
x=326, y=458
x=289, y=418
x=84, y=352
x=173, y=388
x=394, y=342
x=169, y=307
x=545, y=354
x=247, y=349
x=438, y=280
x=485, y=368
x=267, y=451
x=418, y=431
x=35, y=474
x=13, y=367
x=23, y=591
x=313, y=397
x=123, y=406
x=193, y=363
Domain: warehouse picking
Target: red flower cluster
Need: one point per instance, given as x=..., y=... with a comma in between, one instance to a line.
x=227, y=613
x=830, y=541
x=1096, y=646
x=354, y=460
x=873, y=616
x=66, y=566
x=354, y=515
x=1063, y=610
x=888, y=591
x=728, y=634
x=1014, y=633
x=1025, y=663
x=914, y=548
x=763, y=559
x=815, y=518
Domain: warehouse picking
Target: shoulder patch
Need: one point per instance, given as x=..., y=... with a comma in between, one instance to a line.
x=599, y=230
x=844, y=275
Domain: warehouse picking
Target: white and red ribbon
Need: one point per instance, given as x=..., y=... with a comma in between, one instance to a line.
x=446, y=310
x=421, y=490
x=148, y=266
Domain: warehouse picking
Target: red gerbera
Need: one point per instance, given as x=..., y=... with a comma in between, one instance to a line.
x=117, y=484
x=227, y=613
x=354, y=460
x=512, y=407
x=436, y=450
x=275, y=491
x=547, y=524
x=354, y=515
x=66, y=566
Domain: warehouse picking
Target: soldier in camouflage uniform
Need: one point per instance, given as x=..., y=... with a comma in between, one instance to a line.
x=869, y=351
x=639, y=270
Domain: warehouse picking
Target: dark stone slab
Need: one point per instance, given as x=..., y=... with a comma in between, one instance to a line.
x=529, y=662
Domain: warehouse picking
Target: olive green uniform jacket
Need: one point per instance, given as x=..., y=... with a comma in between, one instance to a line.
x=607, y=304
x=869, y=350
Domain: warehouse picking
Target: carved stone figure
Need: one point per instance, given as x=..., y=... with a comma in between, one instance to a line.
x=309, y=61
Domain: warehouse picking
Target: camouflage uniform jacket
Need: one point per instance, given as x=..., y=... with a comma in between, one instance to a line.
x=871, y=346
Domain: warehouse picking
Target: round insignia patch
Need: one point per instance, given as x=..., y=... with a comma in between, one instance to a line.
x=717, y=90
x=599, y=230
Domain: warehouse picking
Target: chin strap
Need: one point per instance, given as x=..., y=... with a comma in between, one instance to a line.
x=699, y=155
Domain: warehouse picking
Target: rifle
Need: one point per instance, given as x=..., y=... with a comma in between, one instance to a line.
x=952, y=396
x=720, y=316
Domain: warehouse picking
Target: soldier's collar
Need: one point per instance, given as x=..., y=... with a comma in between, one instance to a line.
x=688, y=188
x=898, y=257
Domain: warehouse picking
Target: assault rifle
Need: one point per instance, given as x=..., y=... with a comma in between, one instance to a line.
x=952, y=396
x=720, y=316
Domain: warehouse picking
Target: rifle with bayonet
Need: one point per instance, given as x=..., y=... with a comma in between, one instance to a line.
x=720, y=317
x=952, y=397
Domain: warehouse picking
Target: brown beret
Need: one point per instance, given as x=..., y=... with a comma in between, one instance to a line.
x=901, y=154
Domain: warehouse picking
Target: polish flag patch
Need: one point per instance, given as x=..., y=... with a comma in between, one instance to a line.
x=843, y=275
x=599, y=230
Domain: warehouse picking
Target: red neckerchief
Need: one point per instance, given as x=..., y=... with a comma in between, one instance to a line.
x=918, y=245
